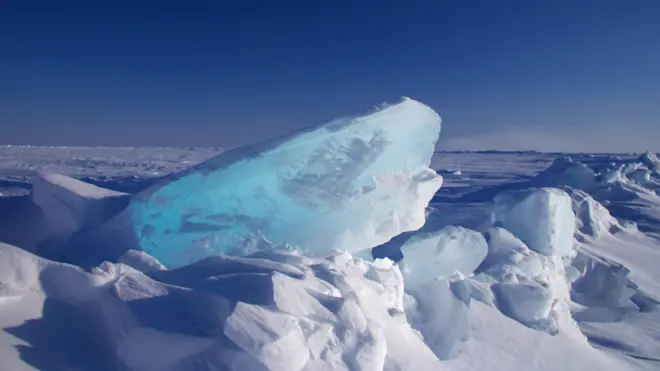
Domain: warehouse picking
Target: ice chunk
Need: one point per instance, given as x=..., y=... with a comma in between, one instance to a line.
x=441, y=254
x=503, y=246
x=542, y=218
x=527, y=303
x=350, y=184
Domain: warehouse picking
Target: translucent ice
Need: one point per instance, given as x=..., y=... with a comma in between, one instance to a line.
x=441, y=254
x=542, y=218
x=349, y=184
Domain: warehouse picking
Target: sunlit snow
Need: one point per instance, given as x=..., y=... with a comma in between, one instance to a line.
x=260, y=258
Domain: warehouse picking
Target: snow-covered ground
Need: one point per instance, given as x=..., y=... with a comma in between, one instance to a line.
x=527, y=261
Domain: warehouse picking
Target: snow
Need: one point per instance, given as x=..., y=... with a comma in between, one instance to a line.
x=141, y=261
x=347, y=185
x=651, y=160
x=558, y=273
x=441, y=315
x=566, y=172
x=57, y=208
x=593, y=219
x=335, y=305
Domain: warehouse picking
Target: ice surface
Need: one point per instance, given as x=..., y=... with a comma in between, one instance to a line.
x=347, y=185
x=530, y=310
x=441, y=254
x=542, y=218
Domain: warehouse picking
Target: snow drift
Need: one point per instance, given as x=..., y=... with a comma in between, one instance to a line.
x=285, y=313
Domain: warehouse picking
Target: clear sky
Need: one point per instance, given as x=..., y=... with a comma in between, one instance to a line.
x=525, y=74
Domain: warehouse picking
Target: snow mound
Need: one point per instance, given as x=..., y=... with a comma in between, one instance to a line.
x=542, y=218
x=439, y=310
x=440, y=254
x=69, y=206
x=651, y=160
x=532, y=288
x=565, y=172
x=22, y=273
x=288, y=313
x=593, y=219
x=347, y=185
x=602, y=284
x=19, y=272
x=57, y=208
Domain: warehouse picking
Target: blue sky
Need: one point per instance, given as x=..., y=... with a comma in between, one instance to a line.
x=545, y=74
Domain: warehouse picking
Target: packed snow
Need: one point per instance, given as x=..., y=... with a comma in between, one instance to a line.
x=261, y=258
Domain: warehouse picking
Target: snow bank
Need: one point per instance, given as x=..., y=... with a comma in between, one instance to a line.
x=57, y=208
x=287, y=313
x=68, y=206
x=565, y=172
x=602, y=283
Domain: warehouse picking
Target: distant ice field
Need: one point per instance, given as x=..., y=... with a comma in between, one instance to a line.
x=129, y=169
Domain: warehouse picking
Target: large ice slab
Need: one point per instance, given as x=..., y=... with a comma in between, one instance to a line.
x=349, y=184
